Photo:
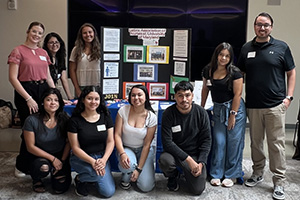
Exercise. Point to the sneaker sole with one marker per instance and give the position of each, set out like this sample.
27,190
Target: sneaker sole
278,198
174,190
19,174
253,184
78,194
125,187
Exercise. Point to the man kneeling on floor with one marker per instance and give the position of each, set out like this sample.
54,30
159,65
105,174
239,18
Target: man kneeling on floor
186,140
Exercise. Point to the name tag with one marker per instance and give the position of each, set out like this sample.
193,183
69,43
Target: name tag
43,58
251,54
101,127
176,128
208,83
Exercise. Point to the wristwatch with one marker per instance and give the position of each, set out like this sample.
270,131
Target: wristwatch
289,98
233,112
138,169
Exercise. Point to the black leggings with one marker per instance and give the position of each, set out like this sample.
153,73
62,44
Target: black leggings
60,181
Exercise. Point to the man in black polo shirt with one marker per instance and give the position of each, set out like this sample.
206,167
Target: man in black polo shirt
266,61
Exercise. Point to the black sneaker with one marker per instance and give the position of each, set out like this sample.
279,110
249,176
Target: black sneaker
80,187
173,184
125,186
254,180
278,192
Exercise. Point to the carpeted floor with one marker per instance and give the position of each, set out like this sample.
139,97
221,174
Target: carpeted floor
20,188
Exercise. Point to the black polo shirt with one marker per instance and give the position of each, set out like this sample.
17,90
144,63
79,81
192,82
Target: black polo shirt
265,65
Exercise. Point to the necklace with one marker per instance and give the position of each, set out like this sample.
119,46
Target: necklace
47,120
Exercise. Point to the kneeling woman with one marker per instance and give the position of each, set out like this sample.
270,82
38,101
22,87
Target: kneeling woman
46,140
91,137
134,131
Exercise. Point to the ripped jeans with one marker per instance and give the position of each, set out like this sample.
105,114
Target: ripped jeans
41,167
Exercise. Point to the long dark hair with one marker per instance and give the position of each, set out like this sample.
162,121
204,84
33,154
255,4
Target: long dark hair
60,115
147,102
60,54
80,105
230,68
80,44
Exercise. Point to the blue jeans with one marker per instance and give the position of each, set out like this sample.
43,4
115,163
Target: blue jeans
105,184
227,145
146,180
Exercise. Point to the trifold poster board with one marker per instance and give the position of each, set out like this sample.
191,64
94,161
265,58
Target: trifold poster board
155,57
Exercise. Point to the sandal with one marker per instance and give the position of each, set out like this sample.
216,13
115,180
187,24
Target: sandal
38,186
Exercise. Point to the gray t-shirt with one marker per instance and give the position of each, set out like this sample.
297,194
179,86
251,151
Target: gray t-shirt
46,139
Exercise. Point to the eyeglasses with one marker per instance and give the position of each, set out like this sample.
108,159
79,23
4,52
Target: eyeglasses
54,43
263,25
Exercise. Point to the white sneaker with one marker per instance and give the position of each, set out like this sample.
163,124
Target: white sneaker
278,192
215,182
19,174
227,182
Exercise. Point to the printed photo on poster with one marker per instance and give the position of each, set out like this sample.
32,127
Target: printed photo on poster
158,54
134,53
158,91
127,87
145,72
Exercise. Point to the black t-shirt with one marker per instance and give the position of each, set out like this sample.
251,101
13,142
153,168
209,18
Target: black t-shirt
92,136
221,90
56,71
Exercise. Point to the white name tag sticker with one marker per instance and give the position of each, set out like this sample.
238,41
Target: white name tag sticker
208,83
43,58
101,127
176,128
251,54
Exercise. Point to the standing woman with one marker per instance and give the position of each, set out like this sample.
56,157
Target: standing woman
134,131
46,140
85,59
29,75
56,49
91,137
225,82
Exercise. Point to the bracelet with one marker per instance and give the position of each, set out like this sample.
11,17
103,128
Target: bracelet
30,97
122,153
53,159
138,169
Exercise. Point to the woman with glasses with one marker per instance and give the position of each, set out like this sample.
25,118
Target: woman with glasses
55,47
85,59
29,75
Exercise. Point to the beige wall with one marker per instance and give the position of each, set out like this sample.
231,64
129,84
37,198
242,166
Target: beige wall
53,14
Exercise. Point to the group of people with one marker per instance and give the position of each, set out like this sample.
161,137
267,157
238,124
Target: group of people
265,63
49,135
